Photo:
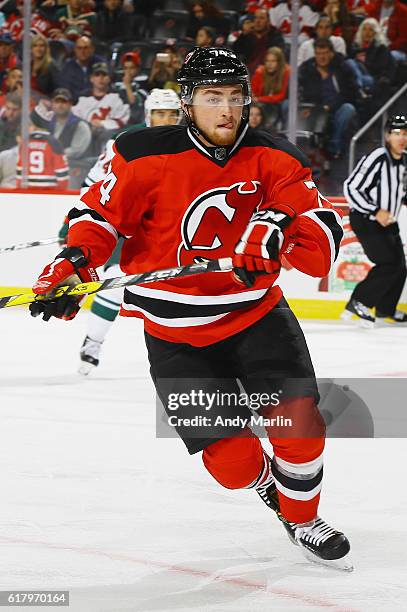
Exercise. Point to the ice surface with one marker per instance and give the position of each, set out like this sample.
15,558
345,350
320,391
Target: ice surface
92,502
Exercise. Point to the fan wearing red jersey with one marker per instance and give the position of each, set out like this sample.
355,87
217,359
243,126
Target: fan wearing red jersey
213,189
47,165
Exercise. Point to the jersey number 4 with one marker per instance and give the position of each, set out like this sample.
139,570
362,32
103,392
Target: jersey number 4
107,186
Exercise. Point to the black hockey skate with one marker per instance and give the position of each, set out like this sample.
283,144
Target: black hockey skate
354,308
398,318
319,542
89,355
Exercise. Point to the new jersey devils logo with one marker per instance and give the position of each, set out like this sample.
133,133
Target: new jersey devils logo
215,220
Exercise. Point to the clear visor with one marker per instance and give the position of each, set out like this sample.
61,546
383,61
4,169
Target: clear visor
216,97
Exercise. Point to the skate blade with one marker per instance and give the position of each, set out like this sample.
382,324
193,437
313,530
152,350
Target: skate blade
353,318
343,565
85,368
347,316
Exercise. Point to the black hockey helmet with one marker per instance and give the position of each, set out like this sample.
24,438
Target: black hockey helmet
396,122
212,66
204,66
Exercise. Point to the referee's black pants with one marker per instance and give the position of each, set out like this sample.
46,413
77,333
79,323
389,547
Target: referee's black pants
384,283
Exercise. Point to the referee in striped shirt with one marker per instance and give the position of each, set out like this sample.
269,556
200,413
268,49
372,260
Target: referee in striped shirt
375,192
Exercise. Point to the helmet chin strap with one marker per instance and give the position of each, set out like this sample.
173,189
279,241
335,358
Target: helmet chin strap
199,132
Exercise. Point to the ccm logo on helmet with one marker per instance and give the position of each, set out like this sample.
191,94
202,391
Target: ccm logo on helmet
224,70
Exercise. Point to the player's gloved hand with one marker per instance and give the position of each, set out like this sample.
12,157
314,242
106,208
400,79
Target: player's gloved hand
258,250
70,267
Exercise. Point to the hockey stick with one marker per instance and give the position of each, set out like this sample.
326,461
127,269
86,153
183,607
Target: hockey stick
215,265
27,245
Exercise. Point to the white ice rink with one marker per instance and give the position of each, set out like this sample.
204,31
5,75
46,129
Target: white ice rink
92,502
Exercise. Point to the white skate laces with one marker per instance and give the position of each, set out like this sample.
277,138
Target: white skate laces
315,532
322,544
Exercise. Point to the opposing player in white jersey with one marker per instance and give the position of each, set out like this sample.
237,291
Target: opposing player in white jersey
162,107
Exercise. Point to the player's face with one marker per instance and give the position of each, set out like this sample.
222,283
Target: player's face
216,112
397,142
164,116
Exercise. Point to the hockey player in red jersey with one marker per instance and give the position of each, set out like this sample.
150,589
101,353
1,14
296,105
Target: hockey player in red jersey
215,189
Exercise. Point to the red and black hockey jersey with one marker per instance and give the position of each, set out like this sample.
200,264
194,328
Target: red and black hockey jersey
47,164
175,200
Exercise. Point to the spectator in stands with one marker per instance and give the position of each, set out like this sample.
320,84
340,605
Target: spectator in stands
327,82
8,58
13,83
164,71
342,22
47,164
256,117
205,37
104,110
10,121
205,13
75,73
359,8
270,83
323,30
113,23
130,87
245,27
280,18
252,46
8,168
253,5
392,16
43,21
73,133
44,71
371,60
76,19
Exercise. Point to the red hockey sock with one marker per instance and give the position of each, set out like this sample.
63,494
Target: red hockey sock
297,462
234,462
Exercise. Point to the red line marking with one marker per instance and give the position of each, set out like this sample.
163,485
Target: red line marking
241,582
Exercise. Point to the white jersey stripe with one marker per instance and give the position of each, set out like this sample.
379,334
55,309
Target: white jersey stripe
198,300
176,322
